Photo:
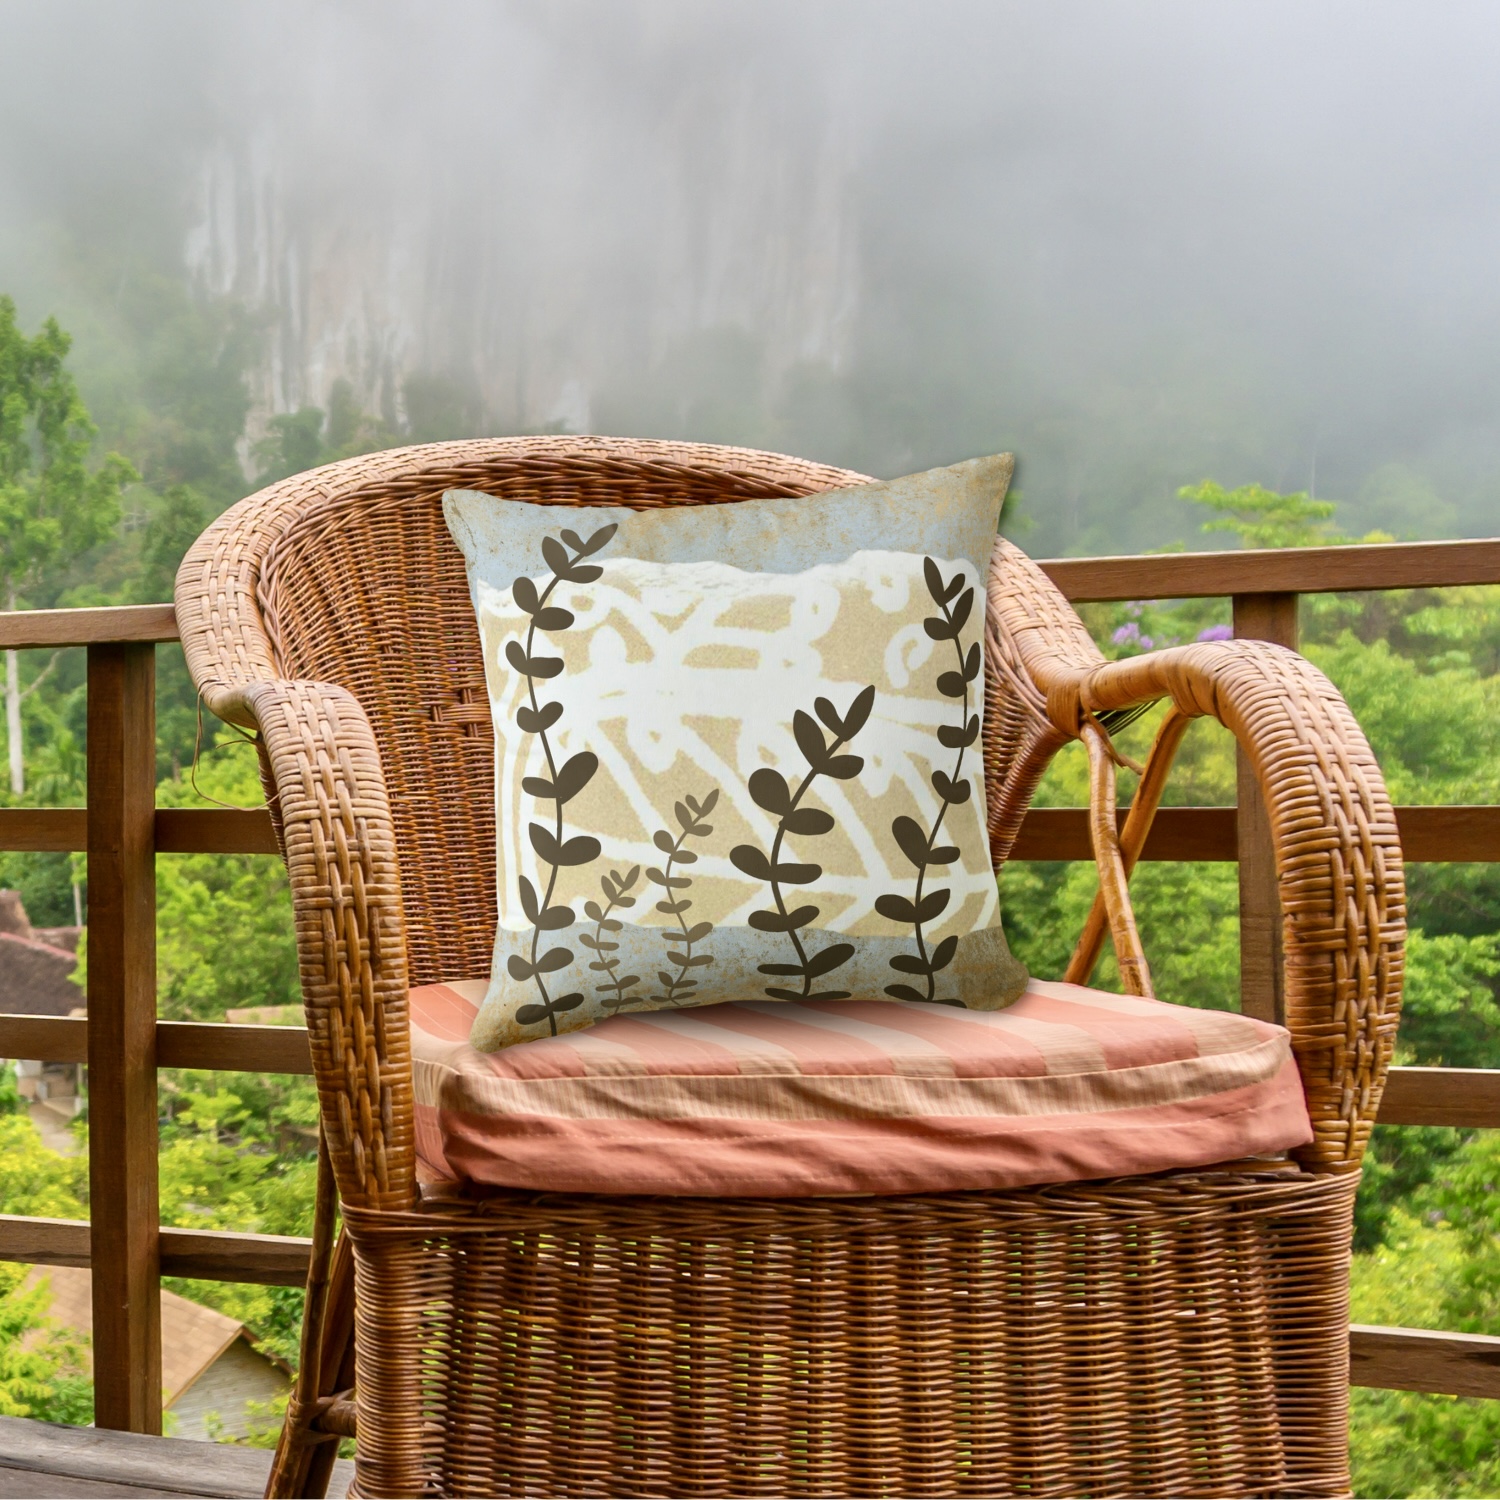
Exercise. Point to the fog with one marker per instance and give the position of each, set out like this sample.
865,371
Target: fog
1141,244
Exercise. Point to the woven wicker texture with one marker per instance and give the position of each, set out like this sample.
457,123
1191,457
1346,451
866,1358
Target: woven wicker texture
1133,1340
1163,1336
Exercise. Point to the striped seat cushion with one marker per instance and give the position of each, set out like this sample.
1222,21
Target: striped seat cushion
796,1100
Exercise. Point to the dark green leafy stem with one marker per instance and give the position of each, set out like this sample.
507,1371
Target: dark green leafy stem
562,782
691,815
955,603
615,887
770,791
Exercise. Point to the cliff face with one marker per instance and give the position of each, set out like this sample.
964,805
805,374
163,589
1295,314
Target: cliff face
544,243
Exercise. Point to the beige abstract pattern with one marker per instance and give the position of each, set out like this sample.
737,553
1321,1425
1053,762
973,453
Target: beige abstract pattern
685,678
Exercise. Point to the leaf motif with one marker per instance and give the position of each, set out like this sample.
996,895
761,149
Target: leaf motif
933,577
949,789
972,662
552,960
697,932
690,960
780,994
591,909
748,859
810,739
938,628
942,955
942,854
538,786
663,841
673,908
686,857
843,767
830,717
540,667
529,1015
518,967
556,556
768,789
599,539
932,905
627,981
573,540
859,712
624,900
826,960
672,882
789,873
807,821
529,903
824,995
910,840
959,739
554,918
568,1002
630,879
904,992
896,909
536,720
668,980
609,924
709,803
952,684
961,611
583,573
779,969
523,591
575,774
553,617
685,816
576,851
910,963
773,921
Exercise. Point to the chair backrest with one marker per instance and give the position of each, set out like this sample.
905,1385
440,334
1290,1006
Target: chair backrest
358,583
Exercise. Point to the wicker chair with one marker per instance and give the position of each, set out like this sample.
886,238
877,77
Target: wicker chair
1178,1334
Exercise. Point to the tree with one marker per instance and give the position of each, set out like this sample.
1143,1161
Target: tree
1264,518
52,508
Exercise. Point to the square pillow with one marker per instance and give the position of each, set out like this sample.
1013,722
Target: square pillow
738,750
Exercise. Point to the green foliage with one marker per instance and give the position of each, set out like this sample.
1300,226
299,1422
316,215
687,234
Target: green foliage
1263,518
53,508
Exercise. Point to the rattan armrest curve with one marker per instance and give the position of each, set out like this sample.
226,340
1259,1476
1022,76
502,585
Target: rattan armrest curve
1338,851
333,820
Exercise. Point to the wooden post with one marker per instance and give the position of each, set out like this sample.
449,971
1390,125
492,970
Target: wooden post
123,1208
1260,617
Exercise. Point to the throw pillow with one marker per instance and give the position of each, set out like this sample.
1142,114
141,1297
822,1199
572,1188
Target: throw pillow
737,750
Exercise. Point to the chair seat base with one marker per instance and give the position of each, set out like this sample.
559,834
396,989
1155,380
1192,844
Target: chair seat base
1180,1334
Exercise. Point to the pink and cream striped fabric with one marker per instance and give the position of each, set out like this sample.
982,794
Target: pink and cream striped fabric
788,1100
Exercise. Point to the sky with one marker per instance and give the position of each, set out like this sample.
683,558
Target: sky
1139,243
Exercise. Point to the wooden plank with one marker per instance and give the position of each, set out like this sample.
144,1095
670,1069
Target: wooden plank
122,1036
224,1255
1260,617
214,830
45,1038
208,1254
1178,834
44,1242
1412,1359
49,830
179,1044
41,629
1291,570
139,1464
179,830
1468,1098
232,1049
1440,835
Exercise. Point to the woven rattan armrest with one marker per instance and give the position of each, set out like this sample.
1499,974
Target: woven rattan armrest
333,821
1338,853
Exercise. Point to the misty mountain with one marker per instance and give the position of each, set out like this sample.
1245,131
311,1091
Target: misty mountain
1138,244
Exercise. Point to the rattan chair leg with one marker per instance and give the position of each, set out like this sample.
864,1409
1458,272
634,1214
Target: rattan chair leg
305,1455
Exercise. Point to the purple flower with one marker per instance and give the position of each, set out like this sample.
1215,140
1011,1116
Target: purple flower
1128,635
1217,633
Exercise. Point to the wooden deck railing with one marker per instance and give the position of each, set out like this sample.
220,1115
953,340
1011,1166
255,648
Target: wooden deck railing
124,1044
